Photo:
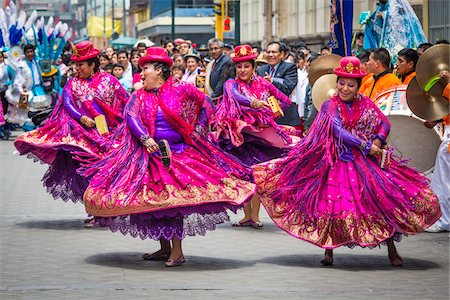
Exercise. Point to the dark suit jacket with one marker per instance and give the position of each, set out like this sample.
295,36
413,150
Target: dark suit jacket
219,76
288,79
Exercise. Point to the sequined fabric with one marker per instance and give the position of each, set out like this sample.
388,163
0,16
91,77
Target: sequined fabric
131,191
62,137
250,134
315,195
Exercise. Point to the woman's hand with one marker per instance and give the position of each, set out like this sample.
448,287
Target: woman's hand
374,150
259,103
151,145
263,104
86,121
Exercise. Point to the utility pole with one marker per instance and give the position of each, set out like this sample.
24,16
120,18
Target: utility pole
172,31
104,24
124,31
237,22
112,16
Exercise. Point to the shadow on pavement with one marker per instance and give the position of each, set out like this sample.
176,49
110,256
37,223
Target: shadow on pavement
133,260
64,224
269,227
350,262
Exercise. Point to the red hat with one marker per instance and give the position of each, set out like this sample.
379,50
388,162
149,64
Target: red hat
83,51
156,54
349,68
243,53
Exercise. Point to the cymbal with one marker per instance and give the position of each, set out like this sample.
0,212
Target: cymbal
323,90
429,106
323,65
431,62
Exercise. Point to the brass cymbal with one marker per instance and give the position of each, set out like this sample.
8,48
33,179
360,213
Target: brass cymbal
430,106
323,65
431,62
323,90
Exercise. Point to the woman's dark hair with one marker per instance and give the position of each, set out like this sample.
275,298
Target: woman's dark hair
136,69
164,68
299,54
229,70
178,67
234,66
358,81
134,52
95,61
104,56
167,42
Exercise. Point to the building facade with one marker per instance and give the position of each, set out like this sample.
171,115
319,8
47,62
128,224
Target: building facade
194,20
309,20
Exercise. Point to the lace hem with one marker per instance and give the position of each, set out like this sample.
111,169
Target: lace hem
148,226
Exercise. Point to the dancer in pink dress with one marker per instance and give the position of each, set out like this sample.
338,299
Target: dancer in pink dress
142,189
330,189
244,124
70,130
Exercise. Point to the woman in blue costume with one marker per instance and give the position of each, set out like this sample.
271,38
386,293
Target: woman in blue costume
394,26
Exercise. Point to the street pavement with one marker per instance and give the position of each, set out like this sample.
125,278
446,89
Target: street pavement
46,253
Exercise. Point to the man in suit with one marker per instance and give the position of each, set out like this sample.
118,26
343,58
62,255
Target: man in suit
283,75
217,70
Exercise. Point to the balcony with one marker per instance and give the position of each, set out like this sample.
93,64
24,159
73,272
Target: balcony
137,5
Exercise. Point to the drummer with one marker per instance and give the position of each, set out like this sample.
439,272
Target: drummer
379,64
406,64
439,182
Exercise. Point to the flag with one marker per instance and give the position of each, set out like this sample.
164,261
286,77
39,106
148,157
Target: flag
341,27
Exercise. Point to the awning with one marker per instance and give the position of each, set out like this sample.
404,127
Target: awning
147,42
124,41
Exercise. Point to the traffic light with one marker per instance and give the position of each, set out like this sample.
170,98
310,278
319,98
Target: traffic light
227,25
218,9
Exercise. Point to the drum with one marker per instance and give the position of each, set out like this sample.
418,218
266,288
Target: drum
40,102
393,98
409,137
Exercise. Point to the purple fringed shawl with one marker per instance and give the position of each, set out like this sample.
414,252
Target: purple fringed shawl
62,136
321,194
180,104
231,117
320,149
